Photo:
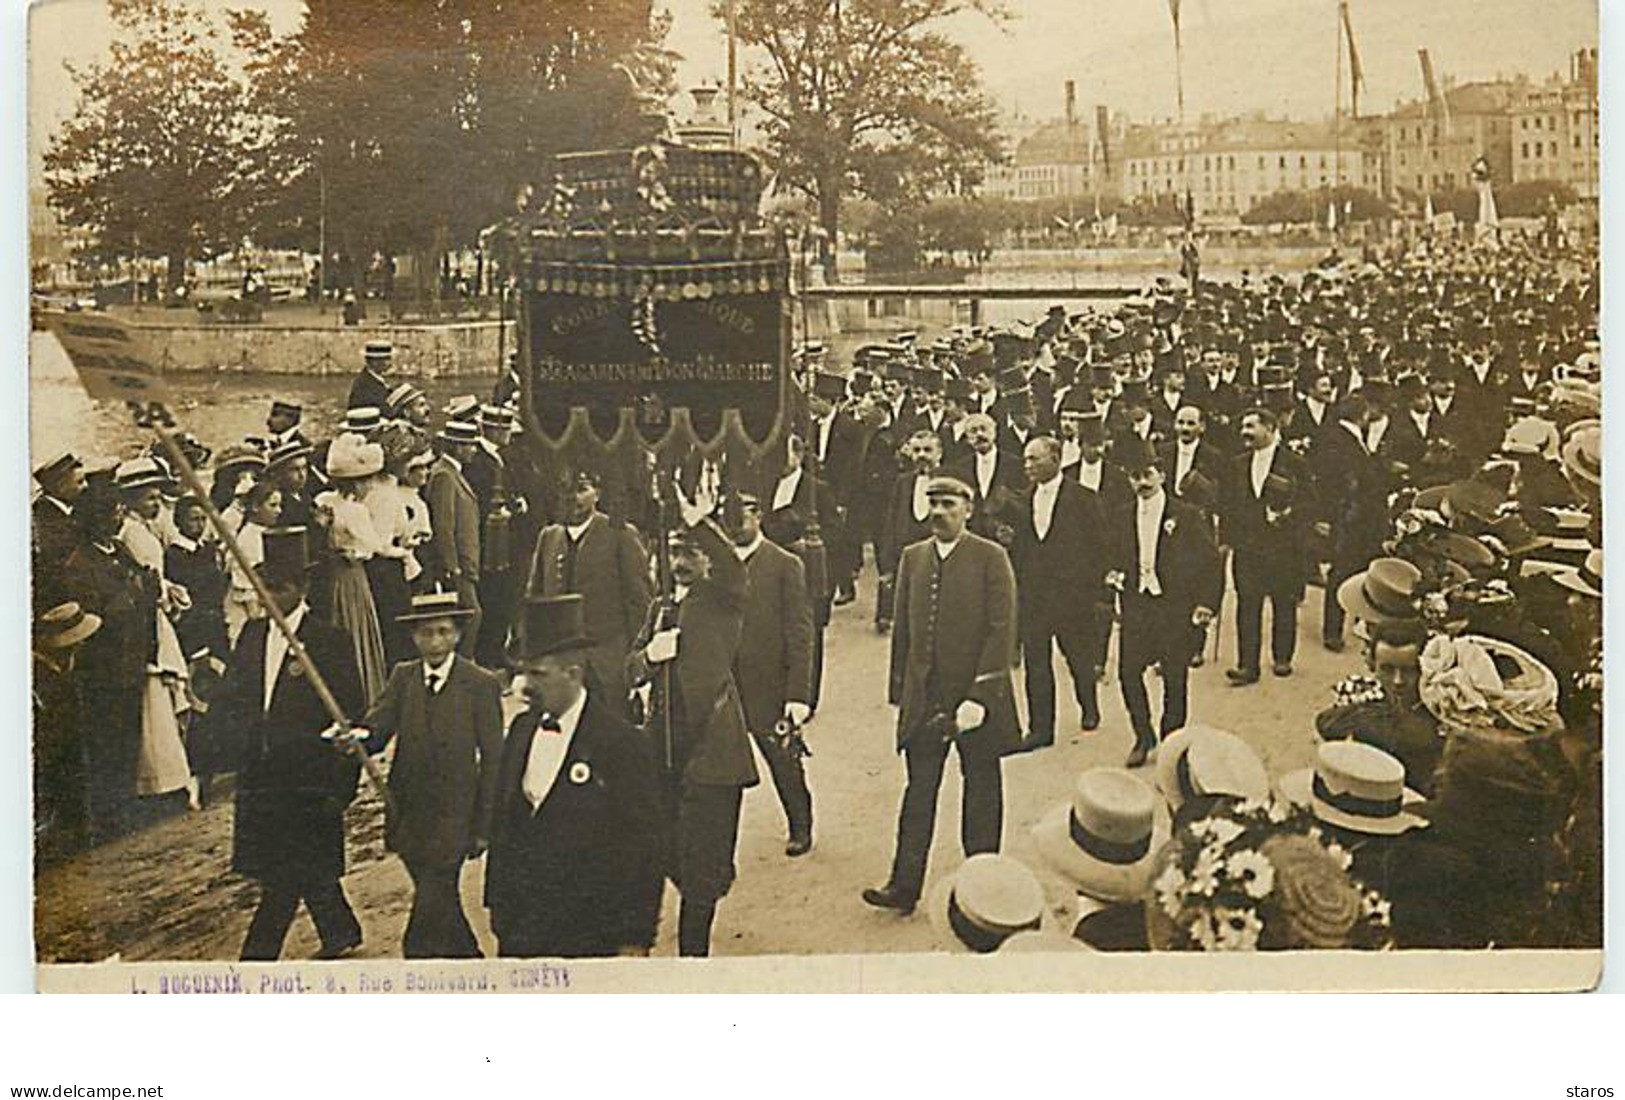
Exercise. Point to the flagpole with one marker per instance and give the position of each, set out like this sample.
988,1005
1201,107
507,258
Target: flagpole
1337,99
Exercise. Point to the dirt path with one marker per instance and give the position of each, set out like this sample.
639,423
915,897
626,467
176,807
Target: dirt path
168,893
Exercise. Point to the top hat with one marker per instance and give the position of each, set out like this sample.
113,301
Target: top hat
286,556
556,624
989,899
958,389
1358,787
828,385
1134,454
65,625
434,605
1202,762
1384,592
1105,840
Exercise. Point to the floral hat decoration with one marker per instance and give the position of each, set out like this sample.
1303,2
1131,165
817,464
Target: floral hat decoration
1257,876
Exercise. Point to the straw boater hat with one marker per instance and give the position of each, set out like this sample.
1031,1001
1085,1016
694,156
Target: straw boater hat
1582,456
141,473
459,431
1358,787
495,416
65,625
285,453
1045,941
989,899
1202,762
1105,840
1385,592
402,396
379,354
1586,579
434,605
56,468
462,407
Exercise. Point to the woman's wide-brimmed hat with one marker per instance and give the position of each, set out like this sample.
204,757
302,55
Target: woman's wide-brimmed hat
1358,787
1485,687
1203,762
1105,840
351,456
989,899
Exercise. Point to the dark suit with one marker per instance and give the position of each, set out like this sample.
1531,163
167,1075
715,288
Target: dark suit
1207,462
293,788
444,781
707,759
55,537
1058,584
609,568
812,501
368,391
1158,629
578,875
452,556
1221,404
840,463
1266,531
1000,506
201,572
954,640
774,667
487,474
1351,495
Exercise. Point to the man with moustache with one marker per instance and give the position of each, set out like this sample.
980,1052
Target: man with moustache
993,476
604,562
908,516
1169,578
1059,555
952,653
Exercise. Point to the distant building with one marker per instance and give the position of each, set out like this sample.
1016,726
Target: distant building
1555,131
1229,166
1433,146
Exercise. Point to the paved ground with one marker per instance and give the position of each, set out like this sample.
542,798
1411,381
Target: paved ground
167,893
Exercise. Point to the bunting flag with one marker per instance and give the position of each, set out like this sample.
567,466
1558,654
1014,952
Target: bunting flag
1179,57
1356,72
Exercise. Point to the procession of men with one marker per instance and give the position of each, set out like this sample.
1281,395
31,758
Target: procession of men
584,697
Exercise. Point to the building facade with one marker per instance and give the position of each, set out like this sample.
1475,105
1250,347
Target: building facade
1432,146
1555,131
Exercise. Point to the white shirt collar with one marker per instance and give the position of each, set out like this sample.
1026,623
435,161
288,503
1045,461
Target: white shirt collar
178,539
442,671
1152,503
1184,447
744,552
572,715
576,530
1050,487
943,549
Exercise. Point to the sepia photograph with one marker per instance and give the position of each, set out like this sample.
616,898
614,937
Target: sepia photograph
930,495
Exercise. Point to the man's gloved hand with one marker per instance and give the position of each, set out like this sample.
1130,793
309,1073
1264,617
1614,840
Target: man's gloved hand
970,715
797,714
662,647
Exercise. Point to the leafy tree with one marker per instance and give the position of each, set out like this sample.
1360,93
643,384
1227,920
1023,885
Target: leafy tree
1353,204
867,97
151,162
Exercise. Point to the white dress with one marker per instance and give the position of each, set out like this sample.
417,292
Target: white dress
163,766
242,604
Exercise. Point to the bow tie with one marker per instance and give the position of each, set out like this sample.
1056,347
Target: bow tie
548,723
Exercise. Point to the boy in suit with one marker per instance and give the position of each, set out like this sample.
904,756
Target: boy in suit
446,715
574,865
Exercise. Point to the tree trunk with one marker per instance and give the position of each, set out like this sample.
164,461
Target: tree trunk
829,219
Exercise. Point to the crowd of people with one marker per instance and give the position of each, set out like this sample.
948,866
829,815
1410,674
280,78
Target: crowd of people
1417,435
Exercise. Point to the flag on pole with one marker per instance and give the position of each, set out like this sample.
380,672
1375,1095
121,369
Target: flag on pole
1179,58
115,361
1331,216
1427,211
1356,72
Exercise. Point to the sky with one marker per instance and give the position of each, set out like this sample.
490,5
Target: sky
1240,55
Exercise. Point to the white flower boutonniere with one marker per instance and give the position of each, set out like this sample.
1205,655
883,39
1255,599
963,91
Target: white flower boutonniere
1168,526
580,772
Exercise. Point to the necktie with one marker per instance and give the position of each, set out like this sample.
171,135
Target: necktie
437,680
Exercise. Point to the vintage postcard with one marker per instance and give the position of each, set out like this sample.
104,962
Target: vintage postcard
942,495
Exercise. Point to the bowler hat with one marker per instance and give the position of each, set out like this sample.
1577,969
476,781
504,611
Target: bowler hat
547,626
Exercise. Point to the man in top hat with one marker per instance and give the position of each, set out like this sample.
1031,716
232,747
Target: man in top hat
283,422
836,444
604,562
1169,578
61,765
1351,498
295,783
61,481
371,386
445,715
795,503
1192,468
500,504
696,714
774,664
452,557
1058,551
574,865
1264,512
952,653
